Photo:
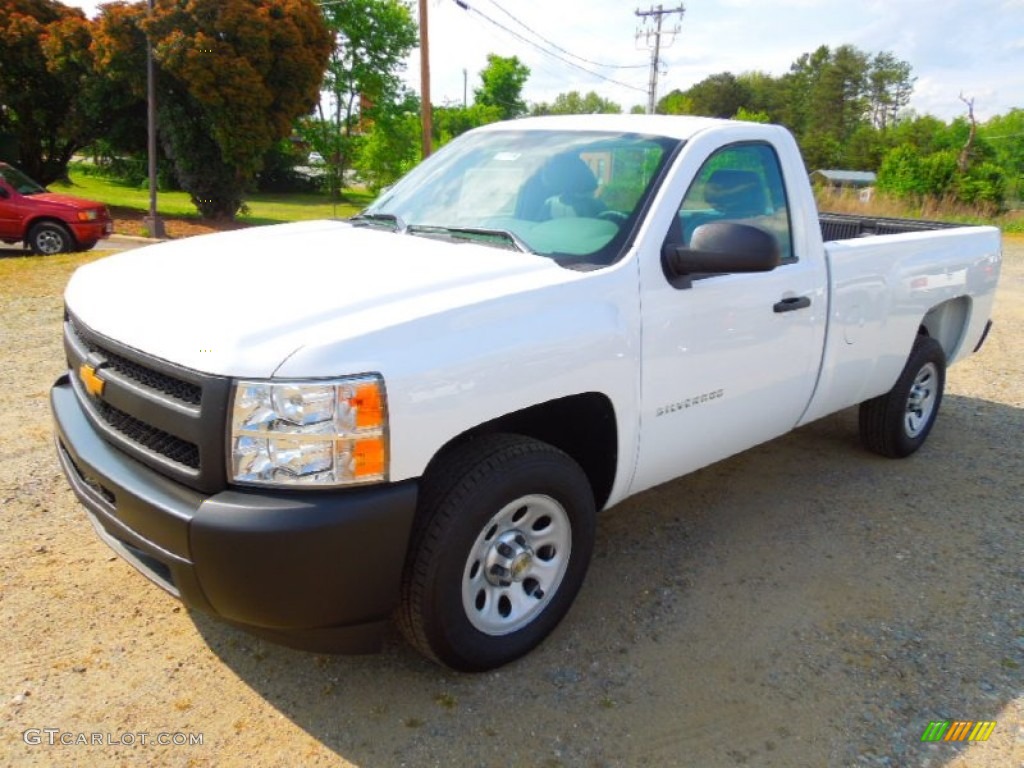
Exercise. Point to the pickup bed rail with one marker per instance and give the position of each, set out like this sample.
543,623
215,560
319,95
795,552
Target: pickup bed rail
842,226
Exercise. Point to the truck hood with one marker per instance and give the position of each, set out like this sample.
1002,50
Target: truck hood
240,303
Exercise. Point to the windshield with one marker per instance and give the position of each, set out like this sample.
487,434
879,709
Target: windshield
19,180
573,196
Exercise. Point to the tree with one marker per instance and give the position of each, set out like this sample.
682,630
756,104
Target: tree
45,72
865,149
837,99
674,102
116,101
890,85
502,82
924,133
723,95
719,95
832,99
449,122
796,109
371,40
906,172
763,93
749,116
901,173
391,147
1005,134
963,160
234,75
572,103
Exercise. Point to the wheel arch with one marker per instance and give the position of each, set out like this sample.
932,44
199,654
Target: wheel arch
48,219
947,323
583,426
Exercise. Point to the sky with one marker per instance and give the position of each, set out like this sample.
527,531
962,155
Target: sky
969,47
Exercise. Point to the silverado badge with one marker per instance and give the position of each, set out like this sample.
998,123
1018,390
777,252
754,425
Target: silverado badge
93,383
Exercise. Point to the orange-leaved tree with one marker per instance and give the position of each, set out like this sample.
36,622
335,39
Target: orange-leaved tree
232,77
45,73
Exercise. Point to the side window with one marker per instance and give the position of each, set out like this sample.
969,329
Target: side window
743,183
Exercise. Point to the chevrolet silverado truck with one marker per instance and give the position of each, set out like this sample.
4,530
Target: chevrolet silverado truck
313,428
47,222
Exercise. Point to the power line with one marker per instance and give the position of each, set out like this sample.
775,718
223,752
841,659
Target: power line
557,47
466,7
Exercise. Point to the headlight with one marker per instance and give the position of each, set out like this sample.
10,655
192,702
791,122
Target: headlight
90,215
309,433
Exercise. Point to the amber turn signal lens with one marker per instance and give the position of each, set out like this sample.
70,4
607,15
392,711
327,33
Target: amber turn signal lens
368,406
369,457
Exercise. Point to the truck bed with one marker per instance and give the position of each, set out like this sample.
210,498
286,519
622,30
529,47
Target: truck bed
841,226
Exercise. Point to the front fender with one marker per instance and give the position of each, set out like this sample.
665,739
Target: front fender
456,369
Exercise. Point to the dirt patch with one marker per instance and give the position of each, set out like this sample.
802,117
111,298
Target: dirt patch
802,604
128,221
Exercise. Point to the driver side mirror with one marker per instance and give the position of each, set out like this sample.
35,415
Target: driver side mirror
720,247
3,192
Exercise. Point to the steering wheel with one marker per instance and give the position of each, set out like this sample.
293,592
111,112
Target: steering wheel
616,217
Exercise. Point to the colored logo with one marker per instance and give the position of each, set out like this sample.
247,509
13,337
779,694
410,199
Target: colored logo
958,730
93,383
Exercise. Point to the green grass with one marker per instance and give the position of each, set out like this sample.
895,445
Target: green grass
262,208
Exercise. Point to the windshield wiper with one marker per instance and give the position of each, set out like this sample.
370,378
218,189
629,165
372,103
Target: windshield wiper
372,219
500,237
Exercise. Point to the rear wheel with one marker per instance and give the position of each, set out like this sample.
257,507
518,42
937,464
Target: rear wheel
48,237
503,540
897,423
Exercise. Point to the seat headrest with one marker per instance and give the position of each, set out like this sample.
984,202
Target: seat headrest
736,193
569,175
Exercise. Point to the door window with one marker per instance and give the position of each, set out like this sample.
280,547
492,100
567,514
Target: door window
741,183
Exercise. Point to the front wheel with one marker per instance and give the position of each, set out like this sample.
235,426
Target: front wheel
897,423
503,540
48,237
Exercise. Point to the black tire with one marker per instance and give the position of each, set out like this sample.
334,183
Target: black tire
49,237
897,423
504,534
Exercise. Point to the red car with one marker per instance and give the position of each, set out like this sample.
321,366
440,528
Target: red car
45,221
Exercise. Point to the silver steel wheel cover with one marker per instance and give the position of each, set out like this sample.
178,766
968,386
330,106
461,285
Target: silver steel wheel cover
921,400
49,241
516,564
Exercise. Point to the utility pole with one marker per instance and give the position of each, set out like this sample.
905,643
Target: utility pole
425,115
655,16
154,224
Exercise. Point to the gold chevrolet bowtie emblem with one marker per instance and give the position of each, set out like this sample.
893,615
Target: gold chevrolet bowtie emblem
93,383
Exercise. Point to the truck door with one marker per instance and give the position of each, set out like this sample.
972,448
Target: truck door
731,360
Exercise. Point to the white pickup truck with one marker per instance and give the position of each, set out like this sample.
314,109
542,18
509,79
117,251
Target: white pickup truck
308,429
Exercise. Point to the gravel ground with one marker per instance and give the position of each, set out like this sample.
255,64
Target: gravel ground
803,604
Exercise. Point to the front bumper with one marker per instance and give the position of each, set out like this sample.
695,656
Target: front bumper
318,570
91,231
